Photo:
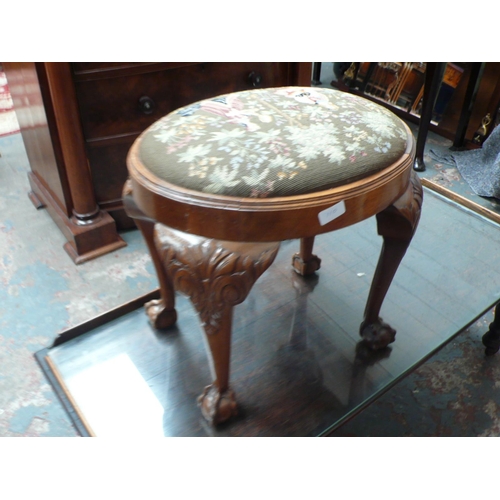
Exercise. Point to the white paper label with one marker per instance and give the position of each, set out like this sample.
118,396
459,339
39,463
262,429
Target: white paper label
331,213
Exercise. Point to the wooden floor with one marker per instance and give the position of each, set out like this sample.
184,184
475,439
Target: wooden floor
297,368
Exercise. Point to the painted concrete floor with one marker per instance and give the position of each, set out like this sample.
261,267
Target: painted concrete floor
42,293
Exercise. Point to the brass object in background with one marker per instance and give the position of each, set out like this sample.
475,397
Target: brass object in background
482,131
351,73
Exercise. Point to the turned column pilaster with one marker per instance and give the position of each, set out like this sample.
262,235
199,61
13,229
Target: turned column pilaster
72,143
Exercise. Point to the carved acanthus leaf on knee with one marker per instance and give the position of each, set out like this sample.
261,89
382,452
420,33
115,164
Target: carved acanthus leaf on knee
410,204
213,277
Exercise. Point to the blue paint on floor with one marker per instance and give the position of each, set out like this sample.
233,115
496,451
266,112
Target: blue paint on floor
23,418
29,303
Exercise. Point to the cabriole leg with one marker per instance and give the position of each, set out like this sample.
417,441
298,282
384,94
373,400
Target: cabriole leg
216,276
161,312
397,225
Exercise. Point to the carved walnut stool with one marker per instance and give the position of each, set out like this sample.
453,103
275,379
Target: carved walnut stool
215,186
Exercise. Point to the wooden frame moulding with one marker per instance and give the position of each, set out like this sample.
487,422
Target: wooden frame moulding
52,373
461,200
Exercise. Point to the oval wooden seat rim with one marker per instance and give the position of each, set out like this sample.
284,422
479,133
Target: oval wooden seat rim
266,219
141,174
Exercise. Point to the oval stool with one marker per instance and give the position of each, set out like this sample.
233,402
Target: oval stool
216,186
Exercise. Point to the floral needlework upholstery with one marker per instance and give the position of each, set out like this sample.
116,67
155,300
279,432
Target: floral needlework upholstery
273,142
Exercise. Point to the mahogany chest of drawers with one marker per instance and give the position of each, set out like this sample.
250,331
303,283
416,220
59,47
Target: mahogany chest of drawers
78,121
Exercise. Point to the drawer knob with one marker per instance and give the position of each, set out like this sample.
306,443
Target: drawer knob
146,105
255,79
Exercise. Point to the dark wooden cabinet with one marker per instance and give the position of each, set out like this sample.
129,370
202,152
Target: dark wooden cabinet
78,121
399,86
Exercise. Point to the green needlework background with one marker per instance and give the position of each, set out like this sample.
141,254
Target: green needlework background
273,142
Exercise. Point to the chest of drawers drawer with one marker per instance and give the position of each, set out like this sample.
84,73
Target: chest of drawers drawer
126,104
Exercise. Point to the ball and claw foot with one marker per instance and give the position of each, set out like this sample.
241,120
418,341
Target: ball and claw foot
377,335
491,340
305,268
160,317
217,407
